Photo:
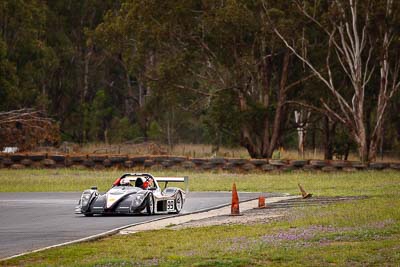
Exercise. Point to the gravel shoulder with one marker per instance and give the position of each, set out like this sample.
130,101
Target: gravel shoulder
212,217
277,207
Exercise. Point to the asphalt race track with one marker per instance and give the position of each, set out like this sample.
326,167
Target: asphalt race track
30,221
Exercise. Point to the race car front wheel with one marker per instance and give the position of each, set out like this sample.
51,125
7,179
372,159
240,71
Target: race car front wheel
150,205
178,202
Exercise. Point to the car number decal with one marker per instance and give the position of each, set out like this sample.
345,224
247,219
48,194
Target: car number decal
170,205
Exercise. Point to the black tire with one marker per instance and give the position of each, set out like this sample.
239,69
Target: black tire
88,214
150,204
178,203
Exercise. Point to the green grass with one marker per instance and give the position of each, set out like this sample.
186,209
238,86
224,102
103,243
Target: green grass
327,184
361,232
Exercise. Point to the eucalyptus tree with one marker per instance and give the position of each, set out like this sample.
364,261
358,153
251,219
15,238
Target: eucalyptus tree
200,51
362,39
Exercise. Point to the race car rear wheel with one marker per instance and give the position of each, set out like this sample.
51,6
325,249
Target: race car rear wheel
150,205
178,202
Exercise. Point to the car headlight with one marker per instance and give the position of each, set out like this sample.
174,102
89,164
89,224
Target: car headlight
139,199
85,199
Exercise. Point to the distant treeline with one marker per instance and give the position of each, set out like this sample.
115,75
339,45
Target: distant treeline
256,73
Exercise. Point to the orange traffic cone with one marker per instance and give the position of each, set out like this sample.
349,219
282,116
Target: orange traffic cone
261,202
304,194
235,201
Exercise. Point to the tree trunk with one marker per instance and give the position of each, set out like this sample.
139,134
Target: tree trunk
276,127
347,151
86,64
106,136
376,140
363,146
248,143
302,124
248,140
329,130
266,83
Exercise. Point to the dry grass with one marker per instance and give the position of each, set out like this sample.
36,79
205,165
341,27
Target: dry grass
150,148
195,151
206,151
200,150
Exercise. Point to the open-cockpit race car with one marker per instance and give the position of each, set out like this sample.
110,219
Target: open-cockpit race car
134,193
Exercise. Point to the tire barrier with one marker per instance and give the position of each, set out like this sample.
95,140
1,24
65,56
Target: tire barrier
162,162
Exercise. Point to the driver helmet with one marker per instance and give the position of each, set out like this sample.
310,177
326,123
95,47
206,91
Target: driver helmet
125,182
142,183
145,185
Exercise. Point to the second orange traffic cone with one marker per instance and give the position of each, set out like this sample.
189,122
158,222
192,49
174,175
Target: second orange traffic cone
235,201
261,202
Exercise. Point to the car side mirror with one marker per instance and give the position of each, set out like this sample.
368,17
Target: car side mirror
152,188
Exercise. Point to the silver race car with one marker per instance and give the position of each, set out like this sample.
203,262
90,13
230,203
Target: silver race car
134,193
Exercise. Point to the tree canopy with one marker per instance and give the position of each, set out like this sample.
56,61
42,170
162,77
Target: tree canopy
228,72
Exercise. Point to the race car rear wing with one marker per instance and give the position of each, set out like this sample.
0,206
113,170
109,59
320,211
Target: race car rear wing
166,180
184,179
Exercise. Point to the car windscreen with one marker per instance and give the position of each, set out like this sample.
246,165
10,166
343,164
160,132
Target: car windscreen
119,190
